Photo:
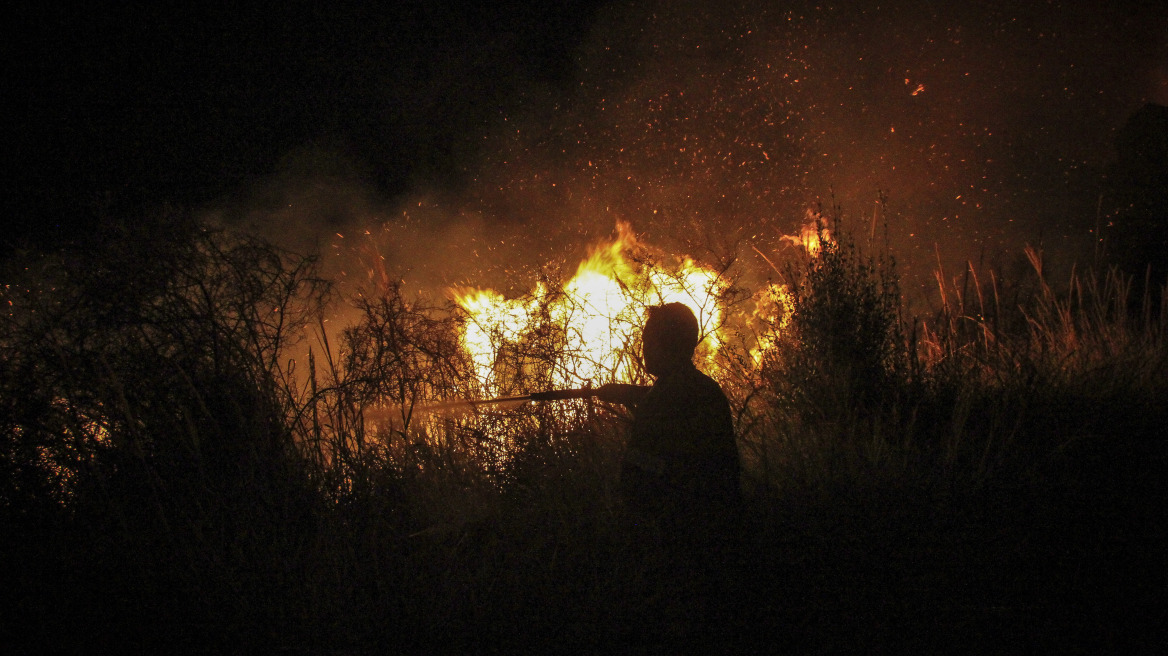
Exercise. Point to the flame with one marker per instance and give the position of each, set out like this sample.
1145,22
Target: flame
772,314
587,331
494,322
773,304
809,235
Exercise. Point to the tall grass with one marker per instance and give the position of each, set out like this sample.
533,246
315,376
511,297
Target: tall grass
169,471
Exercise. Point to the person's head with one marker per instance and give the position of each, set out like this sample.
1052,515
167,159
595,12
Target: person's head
669,338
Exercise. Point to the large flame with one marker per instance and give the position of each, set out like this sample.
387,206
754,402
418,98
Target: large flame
586,332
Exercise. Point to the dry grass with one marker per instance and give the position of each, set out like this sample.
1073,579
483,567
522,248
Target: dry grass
167,477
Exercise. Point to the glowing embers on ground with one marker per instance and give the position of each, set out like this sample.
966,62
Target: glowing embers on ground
586,331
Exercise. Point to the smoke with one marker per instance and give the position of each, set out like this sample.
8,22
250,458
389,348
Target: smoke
714,126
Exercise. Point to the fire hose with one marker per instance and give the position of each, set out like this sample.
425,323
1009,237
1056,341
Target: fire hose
550,395
627,394
621,393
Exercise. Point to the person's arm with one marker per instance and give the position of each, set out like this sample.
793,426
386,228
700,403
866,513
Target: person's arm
623,393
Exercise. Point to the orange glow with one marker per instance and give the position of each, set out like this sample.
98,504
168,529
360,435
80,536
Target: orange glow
771,315
588,331
809,234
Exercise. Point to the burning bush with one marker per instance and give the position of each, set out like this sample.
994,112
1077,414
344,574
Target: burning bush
587,330
841,343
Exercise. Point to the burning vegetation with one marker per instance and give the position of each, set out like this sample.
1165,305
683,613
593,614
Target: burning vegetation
586,331
150,398
211,442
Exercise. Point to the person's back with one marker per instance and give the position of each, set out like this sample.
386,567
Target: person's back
679,480
681,462
681,456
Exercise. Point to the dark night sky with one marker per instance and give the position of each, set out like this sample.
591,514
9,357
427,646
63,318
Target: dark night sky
164,104
986,125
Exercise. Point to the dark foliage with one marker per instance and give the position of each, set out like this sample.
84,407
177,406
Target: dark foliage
1135,199
841,344
991,480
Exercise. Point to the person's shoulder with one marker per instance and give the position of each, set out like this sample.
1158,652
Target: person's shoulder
701,383
700,377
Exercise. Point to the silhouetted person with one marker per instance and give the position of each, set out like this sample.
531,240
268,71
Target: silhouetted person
679,480
681,463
